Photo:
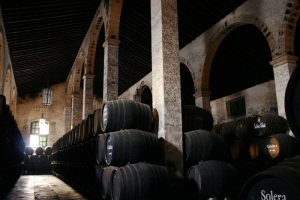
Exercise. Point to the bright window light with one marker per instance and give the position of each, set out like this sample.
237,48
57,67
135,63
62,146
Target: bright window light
34,141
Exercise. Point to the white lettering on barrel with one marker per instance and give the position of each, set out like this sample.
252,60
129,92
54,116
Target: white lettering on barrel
260,125
272,146
271,196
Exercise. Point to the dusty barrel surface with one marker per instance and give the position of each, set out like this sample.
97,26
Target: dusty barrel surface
96,122
269,124
281,146
227,131
105,175
39,150
194,118
125,114
281,181
210,179
203,145
100,148
131,146
244,128
291,102
29,150
139,181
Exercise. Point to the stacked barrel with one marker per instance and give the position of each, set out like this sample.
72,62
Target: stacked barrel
254,144
110,155
38,161
11,148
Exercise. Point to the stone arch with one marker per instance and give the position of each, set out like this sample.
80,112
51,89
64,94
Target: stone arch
223,30
77,73
142,87
8,86
2,66
287,29
13,103
93,40
69,90
193,75
113,10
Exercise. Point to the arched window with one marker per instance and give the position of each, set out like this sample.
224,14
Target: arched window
38,134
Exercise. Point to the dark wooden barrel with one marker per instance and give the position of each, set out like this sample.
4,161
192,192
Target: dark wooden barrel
43,158
77,133
216,128
131,146
244,128
47,167
125,114
282,181
29,150
194,118
256,149
203,145
269,124
105,181
48,150
210,179
39,151
227,131
292,99
240,149
281,146
38,168
140,181
3,115
33,158
97,118
26,158
82,130
100,148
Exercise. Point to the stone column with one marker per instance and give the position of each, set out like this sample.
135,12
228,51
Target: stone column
283,67
111,62
67,119
166,88
88,83
75,116
202,100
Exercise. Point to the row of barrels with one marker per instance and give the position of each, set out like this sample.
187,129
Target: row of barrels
38,151
11,149
260,126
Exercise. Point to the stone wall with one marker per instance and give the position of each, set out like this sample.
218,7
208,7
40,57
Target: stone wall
31,109
259,99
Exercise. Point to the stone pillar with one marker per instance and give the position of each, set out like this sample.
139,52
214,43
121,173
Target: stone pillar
111,62
67,119
88,83
166,88
75,116
202,100
283,67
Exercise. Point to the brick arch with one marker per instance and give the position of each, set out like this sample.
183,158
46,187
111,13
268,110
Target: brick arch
93,39
193,75
77,73
2,66
142,87
8,85
216,39
112,11
287,29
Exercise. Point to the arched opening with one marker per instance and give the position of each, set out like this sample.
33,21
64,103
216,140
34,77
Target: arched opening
187,86
7,87
241,77
146,96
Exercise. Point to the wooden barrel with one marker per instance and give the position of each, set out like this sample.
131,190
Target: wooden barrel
105,181
48,150
194,118
210,179
100,148
29,150
82,130
269,124
43,158
240,149
97,117
227,131
244,128
292,99
3,115
131,146
203,145
256,149
38,168
281,146
139,181
47,167
39,151
282,181
125,114
33,158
